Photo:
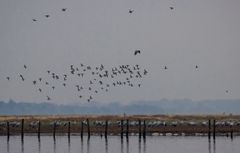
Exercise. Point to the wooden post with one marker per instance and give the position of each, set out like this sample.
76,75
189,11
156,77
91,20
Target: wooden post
209,129
22,128
106,128
144,129
139,130
39,129
69,128
54,129
214,129
88,128
127,130
81,129
231,133
121,128
8,130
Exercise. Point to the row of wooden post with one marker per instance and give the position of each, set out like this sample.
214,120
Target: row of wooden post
141,131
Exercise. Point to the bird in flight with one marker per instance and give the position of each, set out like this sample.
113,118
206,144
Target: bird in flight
130,11
137,52
48,98
47,15
34,20
165,68
64,9
196,67
171,8
21,77
25,67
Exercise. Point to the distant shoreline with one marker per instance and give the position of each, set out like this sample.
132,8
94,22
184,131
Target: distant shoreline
121,124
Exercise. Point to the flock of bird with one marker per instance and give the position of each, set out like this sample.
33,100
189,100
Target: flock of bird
92,80
86,81
48,15
100,79
130,11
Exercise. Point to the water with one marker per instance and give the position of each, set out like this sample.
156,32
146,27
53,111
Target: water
114,144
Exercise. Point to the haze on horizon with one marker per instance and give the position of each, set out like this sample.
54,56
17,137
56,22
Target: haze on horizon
203,33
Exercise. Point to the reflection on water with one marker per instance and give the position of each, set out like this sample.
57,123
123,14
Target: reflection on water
116,144
39,145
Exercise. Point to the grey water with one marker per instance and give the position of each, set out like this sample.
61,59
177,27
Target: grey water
114,144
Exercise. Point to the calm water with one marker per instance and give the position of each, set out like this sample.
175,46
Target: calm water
114,144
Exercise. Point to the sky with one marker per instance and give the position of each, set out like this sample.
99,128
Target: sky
196,32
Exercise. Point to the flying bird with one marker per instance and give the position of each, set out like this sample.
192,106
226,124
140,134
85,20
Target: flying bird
25,67
8,78
47,15
21,77
34,82
137,52
130,11
34,20
171,8
64,9
48,98
165,68
196,67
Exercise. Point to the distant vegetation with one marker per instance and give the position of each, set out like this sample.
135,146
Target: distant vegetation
142,107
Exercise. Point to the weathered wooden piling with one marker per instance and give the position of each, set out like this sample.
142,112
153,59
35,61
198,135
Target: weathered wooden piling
22,128
144,129
81,129
209,129
127,130
214,129
39,129
139,130
54,129
88,128
121,128
8,130
69,129
231,132
106,128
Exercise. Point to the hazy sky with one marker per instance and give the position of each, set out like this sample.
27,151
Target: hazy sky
196,32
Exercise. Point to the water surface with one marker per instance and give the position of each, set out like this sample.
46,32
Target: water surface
114,144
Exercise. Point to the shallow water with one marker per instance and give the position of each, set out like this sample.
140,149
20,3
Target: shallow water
114,144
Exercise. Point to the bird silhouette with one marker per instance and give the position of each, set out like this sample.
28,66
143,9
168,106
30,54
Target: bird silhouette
137,52
34,82
48,98
171,8
196,67
130,11
25,67
47,15
34,20
165,68
8,78
64,9
22,77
